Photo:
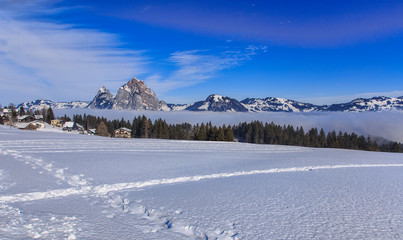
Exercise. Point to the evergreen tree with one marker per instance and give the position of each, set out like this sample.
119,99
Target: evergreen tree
202,133
21,111
395,147
322,138
220,135
229,134
49,115
144,127
13,114
102,130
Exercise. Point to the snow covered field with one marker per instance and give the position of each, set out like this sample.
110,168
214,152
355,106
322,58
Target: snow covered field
58,185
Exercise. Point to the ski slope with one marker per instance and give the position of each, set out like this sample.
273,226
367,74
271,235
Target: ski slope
70,186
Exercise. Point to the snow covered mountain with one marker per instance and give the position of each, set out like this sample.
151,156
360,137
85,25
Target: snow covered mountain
217,103
42,103
135,95
366,105
103,100
272,104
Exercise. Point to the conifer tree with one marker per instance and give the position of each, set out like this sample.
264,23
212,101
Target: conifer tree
144,127
21,111
220,136
50,116
102,130
322,138
202,134
229,134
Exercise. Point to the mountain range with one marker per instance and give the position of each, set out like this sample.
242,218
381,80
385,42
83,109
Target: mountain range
135,95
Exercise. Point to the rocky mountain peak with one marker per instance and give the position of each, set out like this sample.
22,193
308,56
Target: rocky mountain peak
103,100
135,95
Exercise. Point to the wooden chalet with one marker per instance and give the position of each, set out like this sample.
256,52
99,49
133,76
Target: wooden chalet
27,126
25,118
123,133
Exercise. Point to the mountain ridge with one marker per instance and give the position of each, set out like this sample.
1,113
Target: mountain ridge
135,95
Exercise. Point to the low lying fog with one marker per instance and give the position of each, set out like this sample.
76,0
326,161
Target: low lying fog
388,125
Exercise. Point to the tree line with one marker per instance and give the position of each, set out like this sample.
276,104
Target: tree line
253,132
143,127
270,133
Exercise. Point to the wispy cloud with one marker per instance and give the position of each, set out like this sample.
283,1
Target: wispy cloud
197,66
57,61
62,62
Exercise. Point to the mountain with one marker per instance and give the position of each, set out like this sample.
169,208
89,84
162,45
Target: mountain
217,103
366,105
135,95
42,103
272,104
103,100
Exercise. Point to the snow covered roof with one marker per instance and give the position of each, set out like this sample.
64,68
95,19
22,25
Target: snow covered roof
38,116
24,125
22,117
124,129
68,124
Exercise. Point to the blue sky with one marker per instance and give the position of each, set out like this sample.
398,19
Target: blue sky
313,51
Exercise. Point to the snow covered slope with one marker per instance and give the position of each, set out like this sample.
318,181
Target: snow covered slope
103,100
70,186
135,95
271,104
217,103
42,103
367,105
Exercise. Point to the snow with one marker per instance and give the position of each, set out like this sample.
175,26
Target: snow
71,186
205,106
68,125
103,89
217,98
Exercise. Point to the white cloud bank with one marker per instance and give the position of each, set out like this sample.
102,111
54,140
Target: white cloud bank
58,61
381,124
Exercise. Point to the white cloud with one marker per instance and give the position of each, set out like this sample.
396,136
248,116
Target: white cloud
197,66
50,60
64,62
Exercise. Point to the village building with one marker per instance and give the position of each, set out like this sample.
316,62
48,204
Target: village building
91,131
7,116
38,124
25,118
27,126
123,133
7,112
72,126
38,117
57,123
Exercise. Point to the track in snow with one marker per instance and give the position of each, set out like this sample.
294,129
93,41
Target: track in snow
106,188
